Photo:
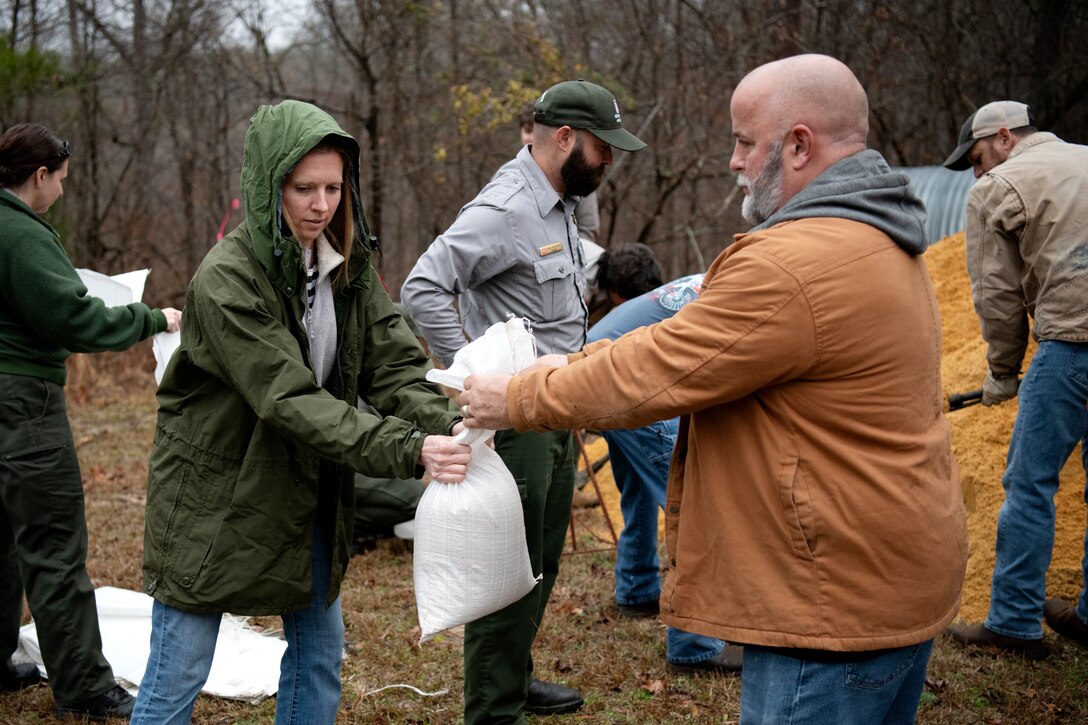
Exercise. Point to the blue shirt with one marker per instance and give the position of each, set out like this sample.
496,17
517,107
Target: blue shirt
654,306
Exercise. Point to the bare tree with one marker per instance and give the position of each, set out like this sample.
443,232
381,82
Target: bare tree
156,96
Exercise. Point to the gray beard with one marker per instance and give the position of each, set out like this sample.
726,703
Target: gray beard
765,191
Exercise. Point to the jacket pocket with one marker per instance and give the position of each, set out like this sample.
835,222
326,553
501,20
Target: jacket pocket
1061,313
31,422
797,507
200,502
556,288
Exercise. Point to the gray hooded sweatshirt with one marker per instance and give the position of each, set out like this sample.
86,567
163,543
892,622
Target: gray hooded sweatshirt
862,188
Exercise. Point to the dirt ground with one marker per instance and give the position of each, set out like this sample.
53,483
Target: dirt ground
980,439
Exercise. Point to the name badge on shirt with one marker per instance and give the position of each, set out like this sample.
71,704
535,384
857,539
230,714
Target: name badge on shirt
551,249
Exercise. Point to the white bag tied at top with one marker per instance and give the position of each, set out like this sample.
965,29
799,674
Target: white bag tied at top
470,556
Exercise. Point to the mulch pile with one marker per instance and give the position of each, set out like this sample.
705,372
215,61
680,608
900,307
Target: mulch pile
980,441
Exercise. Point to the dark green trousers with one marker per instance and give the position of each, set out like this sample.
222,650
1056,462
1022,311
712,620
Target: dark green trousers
498,663
43,540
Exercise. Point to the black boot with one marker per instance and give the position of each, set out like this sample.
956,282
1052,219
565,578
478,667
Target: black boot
550,698
1062,618
114,702
18,677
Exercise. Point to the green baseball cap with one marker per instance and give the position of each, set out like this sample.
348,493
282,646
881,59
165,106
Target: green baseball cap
581,104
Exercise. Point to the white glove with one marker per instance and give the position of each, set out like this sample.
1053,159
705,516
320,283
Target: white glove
998,390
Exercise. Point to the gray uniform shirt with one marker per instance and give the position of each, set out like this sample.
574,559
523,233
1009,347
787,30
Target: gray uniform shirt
587,213
513,250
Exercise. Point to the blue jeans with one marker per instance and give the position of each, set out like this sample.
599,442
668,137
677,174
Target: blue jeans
640,466
183,643
1050,421
777,688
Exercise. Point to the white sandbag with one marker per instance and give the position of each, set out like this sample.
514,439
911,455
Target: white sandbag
124,289
470,555
506,347
163,345
115,290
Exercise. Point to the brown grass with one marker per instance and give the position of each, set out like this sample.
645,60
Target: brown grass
618,664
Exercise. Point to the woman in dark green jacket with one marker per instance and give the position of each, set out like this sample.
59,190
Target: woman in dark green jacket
45,315
250,494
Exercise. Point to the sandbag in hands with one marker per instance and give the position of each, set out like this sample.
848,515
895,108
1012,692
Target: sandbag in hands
470,555
506,347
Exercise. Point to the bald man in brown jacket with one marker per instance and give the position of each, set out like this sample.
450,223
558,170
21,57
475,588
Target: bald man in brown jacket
813,512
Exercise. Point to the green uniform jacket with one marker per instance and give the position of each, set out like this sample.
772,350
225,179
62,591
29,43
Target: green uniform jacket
45,311
248,447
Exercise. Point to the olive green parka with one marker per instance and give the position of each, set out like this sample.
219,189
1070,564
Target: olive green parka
248,447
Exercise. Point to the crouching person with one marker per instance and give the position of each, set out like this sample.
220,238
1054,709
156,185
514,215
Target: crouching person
250,486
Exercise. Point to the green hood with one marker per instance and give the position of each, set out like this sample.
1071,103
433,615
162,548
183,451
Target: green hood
278,137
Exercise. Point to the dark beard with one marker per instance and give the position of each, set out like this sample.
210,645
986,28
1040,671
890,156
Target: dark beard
579,178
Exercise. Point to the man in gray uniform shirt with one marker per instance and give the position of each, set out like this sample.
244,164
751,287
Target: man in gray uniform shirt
514,250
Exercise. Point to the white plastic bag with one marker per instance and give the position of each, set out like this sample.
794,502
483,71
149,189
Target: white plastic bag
506,347
163,345
124,289
246,665
470,556
115,290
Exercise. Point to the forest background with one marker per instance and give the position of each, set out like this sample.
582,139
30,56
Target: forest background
155,97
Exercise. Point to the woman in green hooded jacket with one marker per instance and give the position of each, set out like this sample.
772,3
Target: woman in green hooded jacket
45,316
250,496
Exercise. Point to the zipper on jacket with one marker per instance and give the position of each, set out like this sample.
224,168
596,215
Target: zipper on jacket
341,327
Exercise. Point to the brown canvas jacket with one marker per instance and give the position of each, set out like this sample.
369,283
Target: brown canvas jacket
813,500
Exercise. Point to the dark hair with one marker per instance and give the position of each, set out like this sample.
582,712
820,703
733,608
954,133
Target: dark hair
25,148
629,270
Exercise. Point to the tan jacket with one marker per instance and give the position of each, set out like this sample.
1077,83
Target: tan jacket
1027,248
813,500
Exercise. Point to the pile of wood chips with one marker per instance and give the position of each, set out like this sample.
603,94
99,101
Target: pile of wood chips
980,441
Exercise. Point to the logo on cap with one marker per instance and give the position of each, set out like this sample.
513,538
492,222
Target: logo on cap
584,105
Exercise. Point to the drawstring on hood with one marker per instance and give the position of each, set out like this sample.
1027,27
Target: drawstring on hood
861,188
279,223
